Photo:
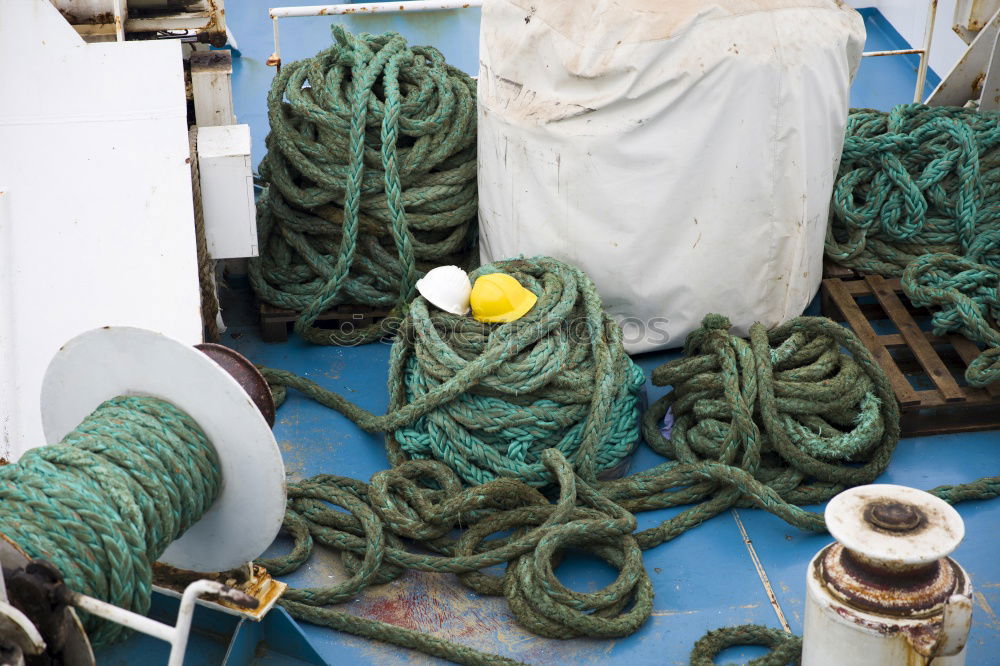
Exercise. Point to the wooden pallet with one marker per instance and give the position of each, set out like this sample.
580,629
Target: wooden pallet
276,322
832,270
940,402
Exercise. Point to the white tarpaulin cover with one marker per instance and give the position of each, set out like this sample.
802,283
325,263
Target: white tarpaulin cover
682,153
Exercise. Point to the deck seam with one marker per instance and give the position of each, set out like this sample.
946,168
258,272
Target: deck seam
772,597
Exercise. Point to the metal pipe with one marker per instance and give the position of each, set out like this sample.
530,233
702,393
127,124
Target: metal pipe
119,20
359,8
177,635
873,54
918,94
125,618
373,8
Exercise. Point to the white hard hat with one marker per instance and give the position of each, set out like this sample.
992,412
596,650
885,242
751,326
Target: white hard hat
448,288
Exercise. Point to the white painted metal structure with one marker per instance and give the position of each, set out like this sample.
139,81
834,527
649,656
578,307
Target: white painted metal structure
113,361
361,8
976,75
17,628
96,218
109,20
177,635
924,51
227,191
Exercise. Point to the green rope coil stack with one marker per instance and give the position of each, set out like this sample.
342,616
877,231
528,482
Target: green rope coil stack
914,181
105,503
488,400
783,419
371,171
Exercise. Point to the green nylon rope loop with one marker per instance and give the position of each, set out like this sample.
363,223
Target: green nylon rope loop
914,181
968,294
371,171
785,648
782,419
104,503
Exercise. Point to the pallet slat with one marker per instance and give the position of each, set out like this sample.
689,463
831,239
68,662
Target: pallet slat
848,308
908,328
946,406
274,322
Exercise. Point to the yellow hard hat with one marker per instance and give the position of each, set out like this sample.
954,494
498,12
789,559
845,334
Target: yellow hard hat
499,298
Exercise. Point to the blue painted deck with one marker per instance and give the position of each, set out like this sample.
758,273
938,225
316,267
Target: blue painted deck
704,579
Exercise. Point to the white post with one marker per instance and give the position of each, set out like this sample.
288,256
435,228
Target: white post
918,94
212,88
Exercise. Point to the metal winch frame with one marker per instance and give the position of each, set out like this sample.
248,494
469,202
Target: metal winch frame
229,399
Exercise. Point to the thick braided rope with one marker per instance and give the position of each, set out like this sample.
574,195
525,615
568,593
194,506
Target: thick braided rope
785,418
776,421
968,294
914,181
371,166
488,400
104,503
785,648
401,505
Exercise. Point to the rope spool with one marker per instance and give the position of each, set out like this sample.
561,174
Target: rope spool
190,478
914,181
105,503
371,166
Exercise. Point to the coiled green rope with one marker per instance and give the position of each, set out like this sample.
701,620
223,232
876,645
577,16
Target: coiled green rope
104,503
371,166
968,294
784,418
488,400
785,648
914,181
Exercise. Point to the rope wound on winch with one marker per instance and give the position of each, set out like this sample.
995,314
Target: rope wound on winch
371,171
488,399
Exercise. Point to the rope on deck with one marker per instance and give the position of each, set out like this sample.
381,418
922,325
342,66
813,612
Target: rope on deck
916,180
785,418
968,295
371,166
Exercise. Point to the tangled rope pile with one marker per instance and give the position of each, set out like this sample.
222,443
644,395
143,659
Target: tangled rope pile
488,400
399,506
105,503
371,166
783,419
968,294
914,181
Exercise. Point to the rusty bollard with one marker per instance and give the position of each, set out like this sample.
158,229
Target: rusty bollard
886,593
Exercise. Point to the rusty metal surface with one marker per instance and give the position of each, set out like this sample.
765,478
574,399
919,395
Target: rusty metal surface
244,372
253,580
212,61
917,592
